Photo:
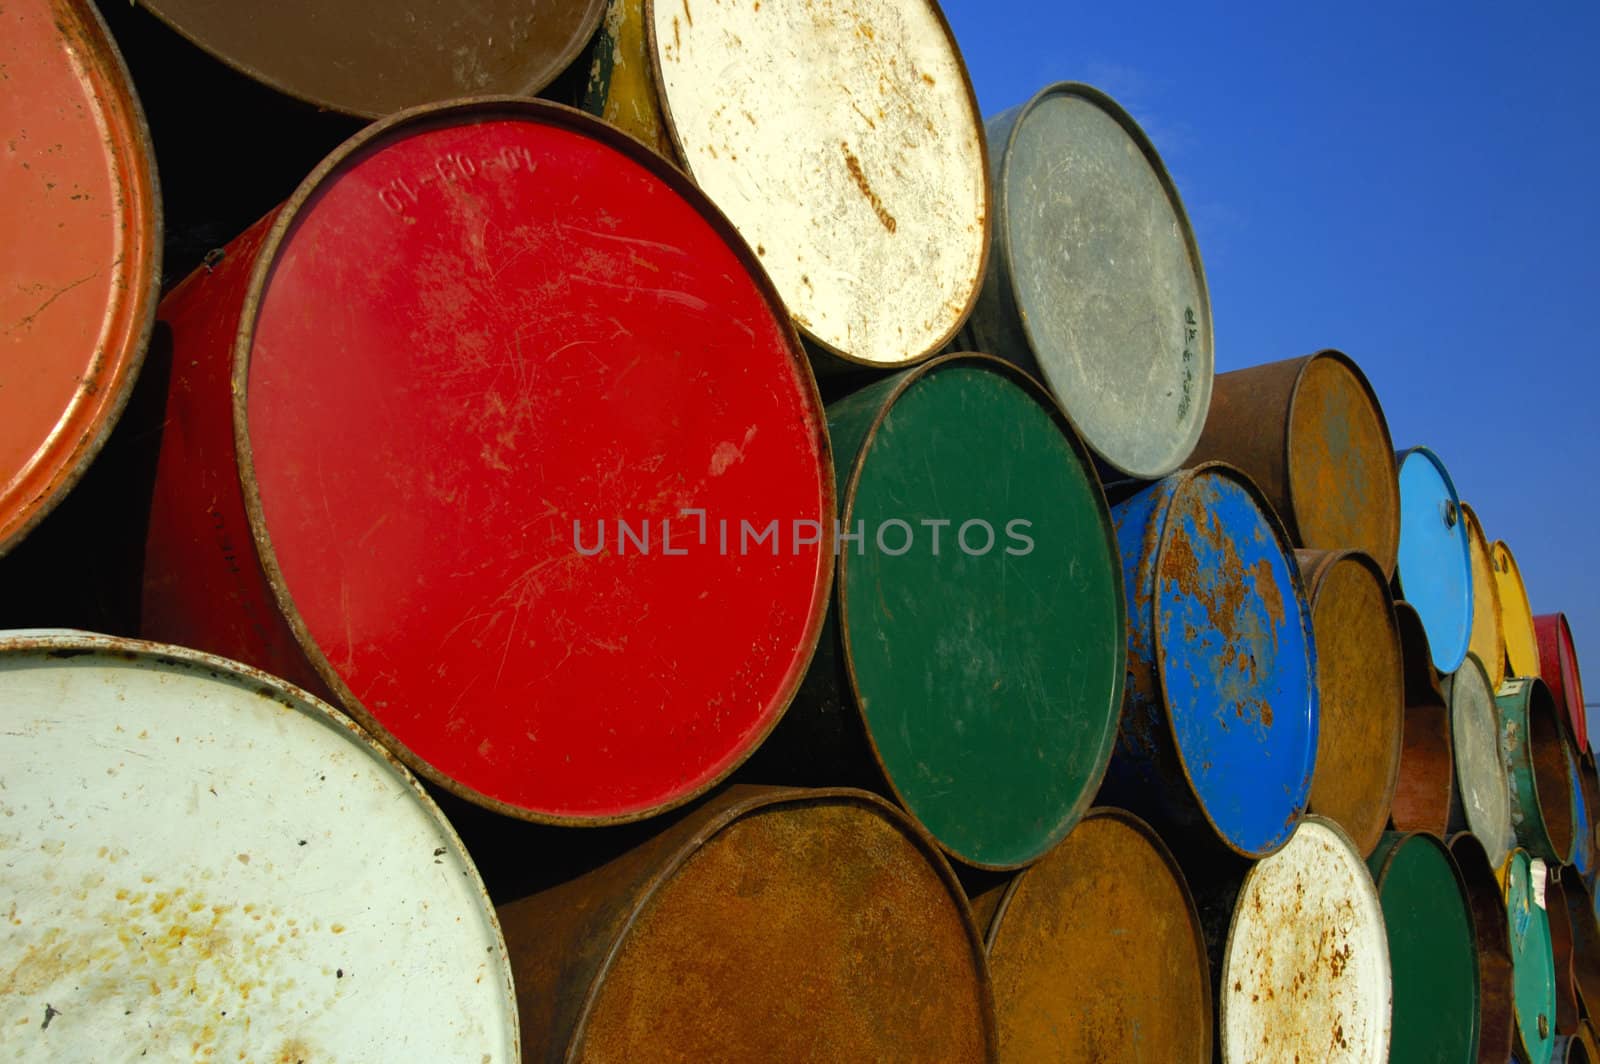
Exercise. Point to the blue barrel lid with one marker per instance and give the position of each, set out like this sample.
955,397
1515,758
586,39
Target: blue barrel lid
1434,573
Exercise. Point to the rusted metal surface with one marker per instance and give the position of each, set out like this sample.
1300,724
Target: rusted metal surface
1311,433
1488,641
81,258
767,924
1585,943
1569,1050
1220,712
1534,746
199,862
1427,756
621,88
845,143
1481,800
1496,1016
1558,667
1107,909
1306,971
1361,691
1561,952
374,57
1433,570
1516,616
1095,280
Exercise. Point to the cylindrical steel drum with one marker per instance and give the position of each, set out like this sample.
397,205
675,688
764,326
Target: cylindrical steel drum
1585,942
490,431
1310,432
768,924
201,862
977,637
1220,716
1558,667
845,143
1361,691
1492,936
1583,855
1516,616
81,258
1427,759
1481,800
1434,572
1535,753
1561,955
1096,953
370,58
1306,970
1095,278
1488,640
1432,950
1532,964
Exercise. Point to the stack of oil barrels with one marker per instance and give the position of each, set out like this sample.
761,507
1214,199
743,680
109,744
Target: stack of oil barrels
647,530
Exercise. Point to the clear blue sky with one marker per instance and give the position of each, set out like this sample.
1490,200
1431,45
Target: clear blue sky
1415,184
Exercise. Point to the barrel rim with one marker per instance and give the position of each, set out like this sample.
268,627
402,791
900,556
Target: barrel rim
589,23
1164,854
766,798
1292,519
140,185
1520,692
539,112
1035,390
1117,113
1369,894
986,187
1184,478
73,643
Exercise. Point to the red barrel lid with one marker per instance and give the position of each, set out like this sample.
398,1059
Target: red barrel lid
80,258
514,394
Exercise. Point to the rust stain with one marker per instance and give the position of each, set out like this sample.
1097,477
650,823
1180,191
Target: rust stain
860,178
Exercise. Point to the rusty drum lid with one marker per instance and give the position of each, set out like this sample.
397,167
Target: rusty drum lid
80,250
198,860
845,144
1306,967
1480,770
371,57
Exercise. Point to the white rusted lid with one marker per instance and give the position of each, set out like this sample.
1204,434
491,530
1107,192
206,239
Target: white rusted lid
845,144
199,862
1306,972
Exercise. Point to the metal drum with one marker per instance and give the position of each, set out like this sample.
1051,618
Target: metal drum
1532,962
1516,616
1481,802
1434,572
1432,950
845,143
201,862
1583,855
370,58
1095,278
768,924
1360,689
1220,716
1427,759
1561,952
1306,969
1585,942
81,258
1310,432
1107,909
975,657
1496,1003
1535,753
370,480
1488,640
1558,665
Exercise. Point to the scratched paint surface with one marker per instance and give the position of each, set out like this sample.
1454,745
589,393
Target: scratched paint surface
842,139
482,339
1480,771
1558,664
1220,657
1532,963
79,258
1305,975
1534,751
1516,615
196,864
1435,566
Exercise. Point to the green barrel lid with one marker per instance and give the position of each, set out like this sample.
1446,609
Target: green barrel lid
1432,950
981,610
1533,970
